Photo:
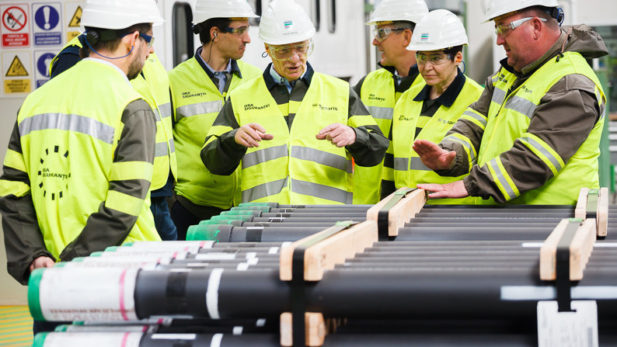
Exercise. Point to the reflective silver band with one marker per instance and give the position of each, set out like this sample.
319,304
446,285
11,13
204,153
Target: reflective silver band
401,164
264,190
321,191
498,96
198,108
417,164
263,155
69,122
476,116
381,112
535,144
502,180
321,157
521,105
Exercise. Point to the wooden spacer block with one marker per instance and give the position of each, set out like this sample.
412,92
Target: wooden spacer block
402,212
315,329
326,254
602,213
580,250
581,204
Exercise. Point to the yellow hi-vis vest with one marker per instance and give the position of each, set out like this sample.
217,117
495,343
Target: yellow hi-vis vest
379,96
409,170
154,87
508,120
197,102
68,147
295,167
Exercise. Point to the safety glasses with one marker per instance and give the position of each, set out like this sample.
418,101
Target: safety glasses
287,51
149,39
505,29
236,31
434,59
382,33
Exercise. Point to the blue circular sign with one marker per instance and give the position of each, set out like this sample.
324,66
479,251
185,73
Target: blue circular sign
42,64
47,17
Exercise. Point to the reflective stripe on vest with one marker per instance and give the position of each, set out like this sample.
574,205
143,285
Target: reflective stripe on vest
294,167
508,121
197,102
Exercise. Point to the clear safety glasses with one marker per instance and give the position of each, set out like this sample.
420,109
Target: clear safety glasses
236,31
285,52
434,59
505,29
383,33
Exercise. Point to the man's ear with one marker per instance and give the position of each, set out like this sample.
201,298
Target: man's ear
407,33
129,40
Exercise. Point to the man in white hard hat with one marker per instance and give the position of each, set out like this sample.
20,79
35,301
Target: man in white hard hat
293,131
533,136
199,87
77,171
394,22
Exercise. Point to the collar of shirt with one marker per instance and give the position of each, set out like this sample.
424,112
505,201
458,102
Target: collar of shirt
401,84
232,65
269,78
449,96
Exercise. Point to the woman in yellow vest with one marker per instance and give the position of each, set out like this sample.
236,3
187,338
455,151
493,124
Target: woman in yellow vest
429,111
293,130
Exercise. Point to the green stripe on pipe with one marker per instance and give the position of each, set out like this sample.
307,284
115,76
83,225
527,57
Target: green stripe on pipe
34,302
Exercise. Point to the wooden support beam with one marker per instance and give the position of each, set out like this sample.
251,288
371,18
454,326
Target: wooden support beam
327,253
581,204
402,212
580,250
315,329
602,213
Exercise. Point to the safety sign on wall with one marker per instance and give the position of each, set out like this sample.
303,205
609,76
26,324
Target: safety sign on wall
72,19
47,29
16,71
15,26
42,59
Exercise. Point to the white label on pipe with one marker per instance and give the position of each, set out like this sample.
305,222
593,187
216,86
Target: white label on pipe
273,250
605,244
260,322
174,336
242,267
125,339
215,256
250,255
516,293
212,293
568,329
67,295
237,330
531,245
216,340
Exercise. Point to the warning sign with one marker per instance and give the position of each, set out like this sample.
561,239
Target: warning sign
47,30
15,28
16,69
42,60
16,72
76,19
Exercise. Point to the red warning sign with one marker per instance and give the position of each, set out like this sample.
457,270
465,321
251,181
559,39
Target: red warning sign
15,27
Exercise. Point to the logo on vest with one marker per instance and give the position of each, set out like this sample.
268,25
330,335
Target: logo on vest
445,121
374,97
53,175
405,118
192,94
325,108
501,77
524,89
249,107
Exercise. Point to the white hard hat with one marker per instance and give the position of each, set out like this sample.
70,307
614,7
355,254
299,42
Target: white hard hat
396,10
439,29
283,22
119,14
207,9
498,8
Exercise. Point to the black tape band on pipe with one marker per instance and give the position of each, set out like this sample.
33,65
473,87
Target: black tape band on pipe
562,264
384,214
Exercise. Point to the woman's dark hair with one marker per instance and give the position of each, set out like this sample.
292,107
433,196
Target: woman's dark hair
451,51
